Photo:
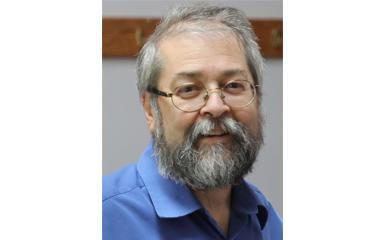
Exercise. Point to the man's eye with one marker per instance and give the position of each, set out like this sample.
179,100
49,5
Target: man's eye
235,87
188,91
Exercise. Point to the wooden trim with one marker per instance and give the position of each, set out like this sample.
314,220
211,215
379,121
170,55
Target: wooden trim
124,37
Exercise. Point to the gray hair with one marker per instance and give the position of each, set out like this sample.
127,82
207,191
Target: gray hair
149,63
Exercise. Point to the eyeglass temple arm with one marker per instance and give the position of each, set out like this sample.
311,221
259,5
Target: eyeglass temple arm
158,92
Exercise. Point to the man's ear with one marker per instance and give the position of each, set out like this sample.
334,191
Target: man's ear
148,111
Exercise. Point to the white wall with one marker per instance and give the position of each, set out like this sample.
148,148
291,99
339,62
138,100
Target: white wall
145,8
124,131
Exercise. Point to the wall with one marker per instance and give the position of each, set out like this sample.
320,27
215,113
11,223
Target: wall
124,130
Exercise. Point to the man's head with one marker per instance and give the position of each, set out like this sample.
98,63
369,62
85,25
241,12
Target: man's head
209,139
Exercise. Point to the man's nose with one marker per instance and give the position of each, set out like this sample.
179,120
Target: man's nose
215,105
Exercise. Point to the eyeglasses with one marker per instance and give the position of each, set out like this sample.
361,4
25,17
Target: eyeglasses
191,97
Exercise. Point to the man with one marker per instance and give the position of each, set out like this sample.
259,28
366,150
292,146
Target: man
199,80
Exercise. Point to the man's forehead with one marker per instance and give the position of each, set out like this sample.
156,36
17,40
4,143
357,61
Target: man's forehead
190,45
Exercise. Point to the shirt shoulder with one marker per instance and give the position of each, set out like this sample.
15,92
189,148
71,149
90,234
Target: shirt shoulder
122,181
127,207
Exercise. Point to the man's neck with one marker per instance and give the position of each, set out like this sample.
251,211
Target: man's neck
217,202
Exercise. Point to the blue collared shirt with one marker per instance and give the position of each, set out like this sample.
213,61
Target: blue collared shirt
140,204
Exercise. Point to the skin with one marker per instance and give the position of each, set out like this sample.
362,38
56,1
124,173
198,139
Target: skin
207,59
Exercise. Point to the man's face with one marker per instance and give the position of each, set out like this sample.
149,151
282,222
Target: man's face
216,145
189,58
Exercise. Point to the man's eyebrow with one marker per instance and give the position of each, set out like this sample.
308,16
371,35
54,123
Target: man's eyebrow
234,72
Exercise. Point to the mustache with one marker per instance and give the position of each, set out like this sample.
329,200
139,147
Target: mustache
207,126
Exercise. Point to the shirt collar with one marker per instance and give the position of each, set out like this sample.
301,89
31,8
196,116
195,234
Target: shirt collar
244,199
169,198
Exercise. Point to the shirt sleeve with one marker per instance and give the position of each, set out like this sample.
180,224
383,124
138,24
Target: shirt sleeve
124,220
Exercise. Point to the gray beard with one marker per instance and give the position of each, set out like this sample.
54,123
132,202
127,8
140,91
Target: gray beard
208,167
